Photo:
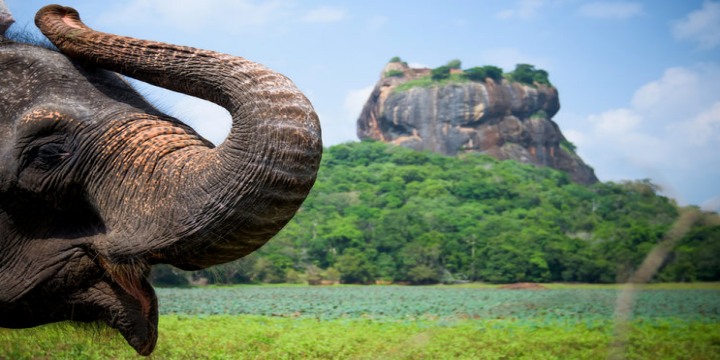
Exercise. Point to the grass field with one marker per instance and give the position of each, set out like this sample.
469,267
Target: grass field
670,322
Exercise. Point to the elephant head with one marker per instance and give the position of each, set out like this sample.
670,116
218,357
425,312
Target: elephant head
96,185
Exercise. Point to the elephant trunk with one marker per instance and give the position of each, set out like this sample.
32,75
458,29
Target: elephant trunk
210,205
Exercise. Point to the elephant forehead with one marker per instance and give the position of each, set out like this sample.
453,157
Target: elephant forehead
27,65
45,115
33,76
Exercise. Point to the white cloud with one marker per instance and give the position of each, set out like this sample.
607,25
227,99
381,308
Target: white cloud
681,93
616,122
670,133
525,9
324,14
341,127
611,9
677,85
356,99
700,26
575,137
191,16
703,128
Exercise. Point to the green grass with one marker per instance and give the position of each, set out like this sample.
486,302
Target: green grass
426,81
258,337
470,321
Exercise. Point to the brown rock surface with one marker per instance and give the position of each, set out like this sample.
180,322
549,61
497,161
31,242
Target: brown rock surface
507,120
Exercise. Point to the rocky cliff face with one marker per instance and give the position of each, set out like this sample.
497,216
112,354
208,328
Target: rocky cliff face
507,120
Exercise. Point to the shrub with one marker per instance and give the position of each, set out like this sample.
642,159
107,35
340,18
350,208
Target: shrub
423,275
540,114
440,73
493,72
541,77
523,73
527,74
395,73
476,74
396,59
454,64
568,146
479,73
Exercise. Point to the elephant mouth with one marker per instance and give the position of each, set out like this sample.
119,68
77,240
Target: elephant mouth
132,308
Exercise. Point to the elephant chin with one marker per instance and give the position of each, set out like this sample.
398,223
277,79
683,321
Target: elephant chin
135,312
125,302
139,328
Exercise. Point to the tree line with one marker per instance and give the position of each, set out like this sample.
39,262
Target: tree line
380,214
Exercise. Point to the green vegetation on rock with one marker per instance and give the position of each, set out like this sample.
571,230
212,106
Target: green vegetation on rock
528,75
540,114
396,73
442,75
480,73
568,146
428,81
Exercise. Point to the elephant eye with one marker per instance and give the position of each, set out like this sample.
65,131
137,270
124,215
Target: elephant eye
51,153
48,155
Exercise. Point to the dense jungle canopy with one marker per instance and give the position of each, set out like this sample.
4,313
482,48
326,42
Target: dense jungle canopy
380,213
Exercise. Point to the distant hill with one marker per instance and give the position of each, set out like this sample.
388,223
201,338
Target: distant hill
450,111
386,213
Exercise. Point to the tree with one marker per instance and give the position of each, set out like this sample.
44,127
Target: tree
440,73
166,275
354,267
523,73
421,258
541,77
454,64
493,72
476,74
383,212
271,269
481,73
527,74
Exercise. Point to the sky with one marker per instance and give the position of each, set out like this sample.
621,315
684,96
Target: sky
639,81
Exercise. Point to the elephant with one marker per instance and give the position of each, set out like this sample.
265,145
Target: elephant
97,185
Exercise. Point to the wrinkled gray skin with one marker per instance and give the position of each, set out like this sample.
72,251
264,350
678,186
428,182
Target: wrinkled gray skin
96,185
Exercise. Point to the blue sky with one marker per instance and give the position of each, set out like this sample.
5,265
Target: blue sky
639,81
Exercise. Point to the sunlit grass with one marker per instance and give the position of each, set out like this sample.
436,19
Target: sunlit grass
412,323
247,337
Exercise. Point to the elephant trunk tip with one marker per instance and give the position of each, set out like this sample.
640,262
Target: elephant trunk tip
52,13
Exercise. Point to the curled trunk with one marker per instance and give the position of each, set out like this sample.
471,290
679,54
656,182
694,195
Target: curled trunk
206,205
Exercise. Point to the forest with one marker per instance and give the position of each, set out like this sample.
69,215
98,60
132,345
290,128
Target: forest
382,214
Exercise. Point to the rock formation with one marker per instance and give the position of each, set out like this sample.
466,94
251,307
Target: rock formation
505,119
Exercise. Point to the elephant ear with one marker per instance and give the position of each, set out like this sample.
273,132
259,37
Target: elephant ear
195,206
